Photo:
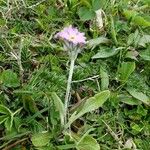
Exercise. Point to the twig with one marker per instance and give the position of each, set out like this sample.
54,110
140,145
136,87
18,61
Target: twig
90,78
113,134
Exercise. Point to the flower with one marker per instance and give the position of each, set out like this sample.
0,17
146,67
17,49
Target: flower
72,35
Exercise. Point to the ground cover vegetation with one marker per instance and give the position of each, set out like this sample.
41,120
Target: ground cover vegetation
109,96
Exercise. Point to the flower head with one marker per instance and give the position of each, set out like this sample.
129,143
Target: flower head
72,35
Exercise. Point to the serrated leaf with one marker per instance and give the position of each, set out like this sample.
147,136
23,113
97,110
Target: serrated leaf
88,143
59,106
9,79
139,95
40,139
105,53
91,104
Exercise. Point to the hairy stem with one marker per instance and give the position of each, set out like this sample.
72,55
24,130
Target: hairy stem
67,97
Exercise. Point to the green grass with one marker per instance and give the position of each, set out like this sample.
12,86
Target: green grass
33,65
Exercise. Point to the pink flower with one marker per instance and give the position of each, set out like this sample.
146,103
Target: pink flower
72,35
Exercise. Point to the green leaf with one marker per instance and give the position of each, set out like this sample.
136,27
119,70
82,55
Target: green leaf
136,128
134,39
2,22
5,110
91,104
29,103
97,41
88,143
135,18
128,100
9,79
86,13
132,55
67,146
86,3
145,39
141,110
59,106
9,122
139,95
40,139
97,4
104,79
3,118
113,31
105,53
125,71
145,54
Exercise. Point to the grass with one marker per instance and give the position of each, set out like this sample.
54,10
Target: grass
34,69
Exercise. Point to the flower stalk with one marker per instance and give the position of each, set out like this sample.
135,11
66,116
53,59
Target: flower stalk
73,41
67,96
73,55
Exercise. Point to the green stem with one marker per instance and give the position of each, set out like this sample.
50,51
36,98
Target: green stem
67,97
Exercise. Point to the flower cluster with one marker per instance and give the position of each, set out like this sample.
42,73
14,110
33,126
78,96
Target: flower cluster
72,35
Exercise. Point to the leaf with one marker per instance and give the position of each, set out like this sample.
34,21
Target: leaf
59,106
9,122
97,4
125,71
104,79
97,41
40,139
139,95
3,118
135,18
88,143
29,104
86,13
141,110
5,110
9,79
128,100
2,22
134,38
67,146
145,54
91,104
105,53
113,31
145,39
132,55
